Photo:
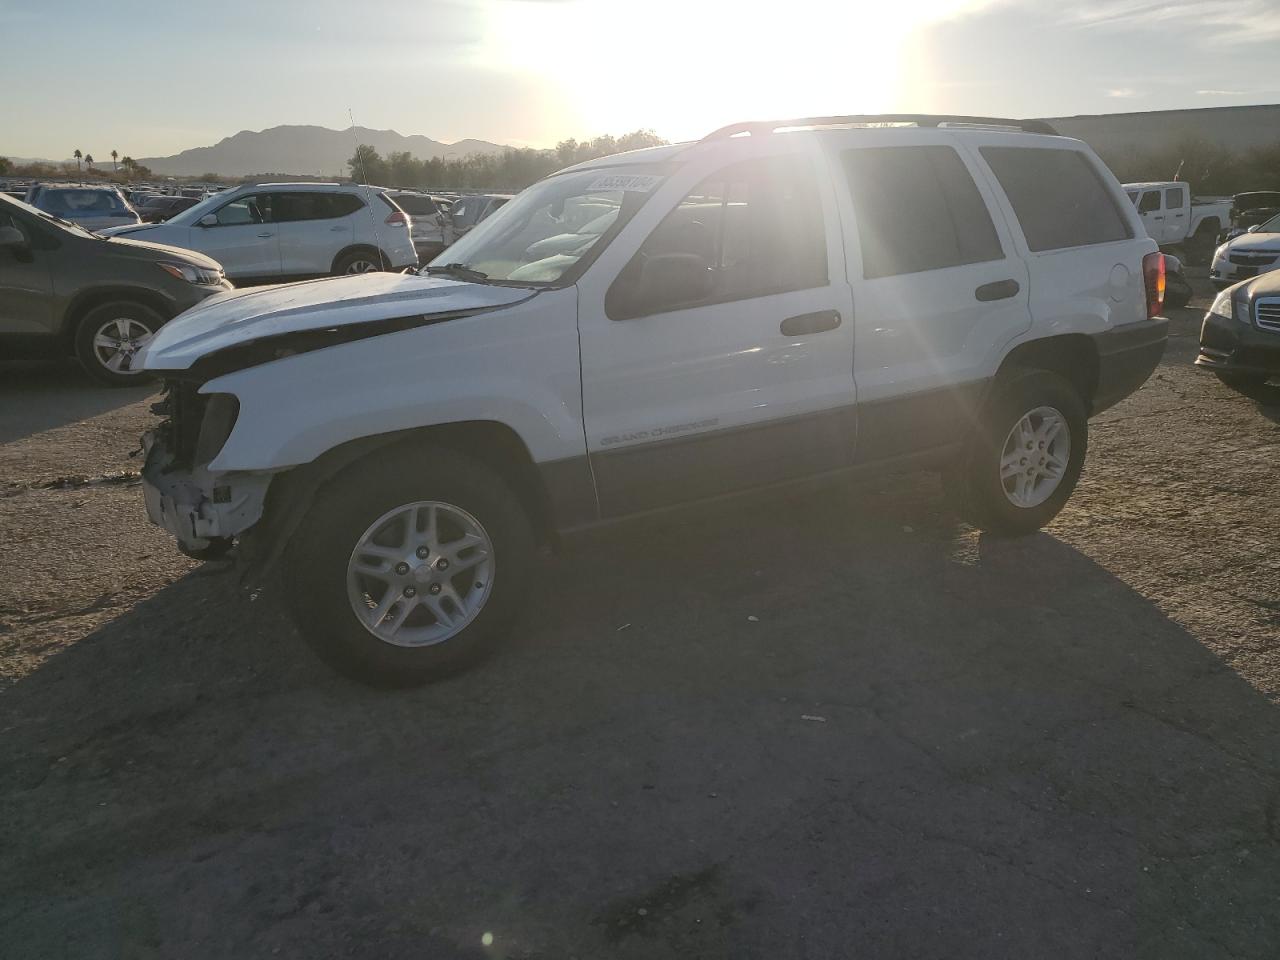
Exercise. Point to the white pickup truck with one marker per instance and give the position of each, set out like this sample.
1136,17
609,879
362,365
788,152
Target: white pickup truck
775,303
1172,217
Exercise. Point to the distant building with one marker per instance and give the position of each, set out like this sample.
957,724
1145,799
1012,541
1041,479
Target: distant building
1234,127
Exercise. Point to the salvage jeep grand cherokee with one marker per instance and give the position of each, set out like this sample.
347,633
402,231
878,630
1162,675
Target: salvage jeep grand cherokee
773,302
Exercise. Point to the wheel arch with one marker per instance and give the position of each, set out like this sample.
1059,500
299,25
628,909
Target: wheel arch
490,442
87,300
1073,356
368,248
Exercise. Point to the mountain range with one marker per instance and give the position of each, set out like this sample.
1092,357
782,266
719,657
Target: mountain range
302,150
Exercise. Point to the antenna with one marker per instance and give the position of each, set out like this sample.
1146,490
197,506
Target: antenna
364,178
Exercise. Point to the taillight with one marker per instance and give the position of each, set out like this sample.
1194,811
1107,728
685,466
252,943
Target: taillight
397,218
1154,277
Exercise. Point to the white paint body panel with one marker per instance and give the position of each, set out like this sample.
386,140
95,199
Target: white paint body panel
517,366
225,321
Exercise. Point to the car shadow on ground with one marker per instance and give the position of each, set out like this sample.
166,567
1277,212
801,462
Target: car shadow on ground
835,726
39,397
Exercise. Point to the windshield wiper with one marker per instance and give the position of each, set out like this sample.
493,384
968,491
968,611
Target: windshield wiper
459,270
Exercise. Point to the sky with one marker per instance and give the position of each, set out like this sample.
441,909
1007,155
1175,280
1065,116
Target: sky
150,79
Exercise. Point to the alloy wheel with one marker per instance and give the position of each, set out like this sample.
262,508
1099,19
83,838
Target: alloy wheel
117,342
1035,457
420,574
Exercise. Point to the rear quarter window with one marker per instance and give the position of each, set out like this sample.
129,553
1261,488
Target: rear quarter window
1059,197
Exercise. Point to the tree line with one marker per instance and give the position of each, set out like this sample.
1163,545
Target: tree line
512,169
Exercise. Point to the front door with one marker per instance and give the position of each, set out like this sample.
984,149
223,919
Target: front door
938,288
244,238
26,281
716,334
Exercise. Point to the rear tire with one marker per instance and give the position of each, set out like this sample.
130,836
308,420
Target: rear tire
108,338
1009,488
359,261
400,511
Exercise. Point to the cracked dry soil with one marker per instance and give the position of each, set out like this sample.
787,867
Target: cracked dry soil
1064,746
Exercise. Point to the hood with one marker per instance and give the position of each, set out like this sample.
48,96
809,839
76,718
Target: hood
127,228
242,318
1254,243
145,250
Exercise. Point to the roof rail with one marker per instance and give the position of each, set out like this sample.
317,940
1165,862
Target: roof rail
762,127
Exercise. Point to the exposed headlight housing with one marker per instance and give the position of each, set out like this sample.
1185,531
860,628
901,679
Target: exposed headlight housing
191,273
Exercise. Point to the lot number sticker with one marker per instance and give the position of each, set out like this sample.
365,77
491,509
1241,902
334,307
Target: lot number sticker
631,182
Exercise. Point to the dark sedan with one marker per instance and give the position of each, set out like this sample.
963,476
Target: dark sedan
162,208
1240,336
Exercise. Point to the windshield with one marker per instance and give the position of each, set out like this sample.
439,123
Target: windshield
194,213
1269,226
553,226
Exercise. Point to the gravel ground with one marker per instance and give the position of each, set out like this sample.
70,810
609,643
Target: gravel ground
849,726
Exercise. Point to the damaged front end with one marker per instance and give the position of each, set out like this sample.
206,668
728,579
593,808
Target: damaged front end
203,509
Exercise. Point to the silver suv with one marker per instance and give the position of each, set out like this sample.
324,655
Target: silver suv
269,231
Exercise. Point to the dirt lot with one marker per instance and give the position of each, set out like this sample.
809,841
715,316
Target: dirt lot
1065,746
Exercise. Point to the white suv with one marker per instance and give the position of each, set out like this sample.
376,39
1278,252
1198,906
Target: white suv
773,303
270,231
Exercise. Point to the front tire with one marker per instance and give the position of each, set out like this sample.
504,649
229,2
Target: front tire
1027,455
109,337
409,566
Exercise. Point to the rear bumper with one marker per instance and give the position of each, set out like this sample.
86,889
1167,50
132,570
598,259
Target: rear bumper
1230,346
1126,358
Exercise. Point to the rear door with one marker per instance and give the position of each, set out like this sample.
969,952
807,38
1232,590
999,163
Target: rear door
245,239
314,227
1069,219
1151,210
1177,209
938,287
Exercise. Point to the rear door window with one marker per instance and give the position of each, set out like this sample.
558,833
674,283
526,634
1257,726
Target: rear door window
309,205
1173,199
918,209
1059,197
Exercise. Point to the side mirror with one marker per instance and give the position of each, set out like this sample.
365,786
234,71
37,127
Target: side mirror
11,238
667,281
209,220
1254,228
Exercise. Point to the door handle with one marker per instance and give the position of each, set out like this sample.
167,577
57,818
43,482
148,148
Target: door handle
999,290
338,229
1158,216
265,235
808,323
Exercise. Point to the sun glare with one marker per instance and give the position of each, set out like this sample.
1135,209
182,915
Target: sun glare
684,68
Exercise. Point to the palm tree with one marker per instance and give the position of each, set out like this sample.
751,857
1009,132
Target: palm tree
77,155
114,155
88,160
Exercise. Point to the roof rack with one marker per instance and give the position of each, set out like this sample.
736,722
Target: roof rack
763,127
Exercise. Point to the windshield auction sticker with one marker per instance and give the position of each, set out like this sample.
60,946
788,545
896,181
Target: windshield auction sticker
630,182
